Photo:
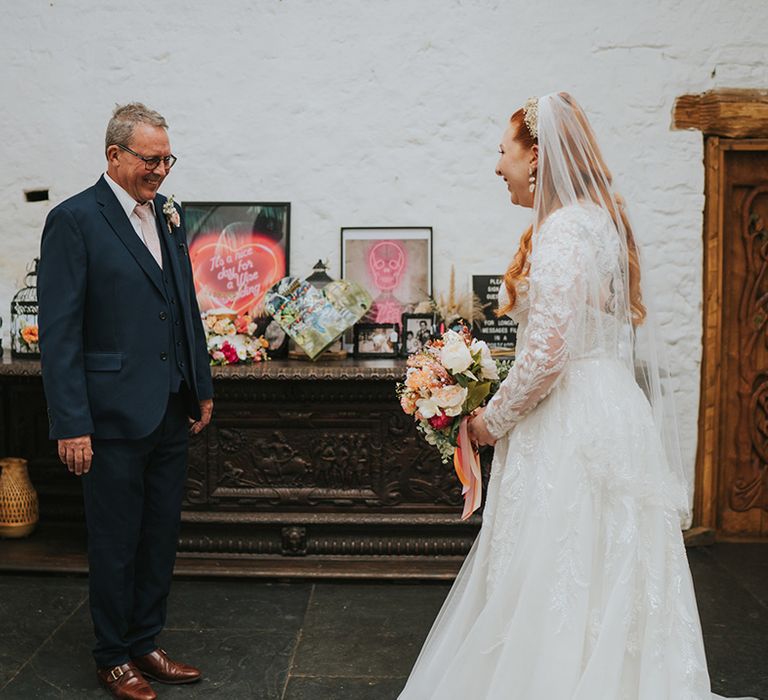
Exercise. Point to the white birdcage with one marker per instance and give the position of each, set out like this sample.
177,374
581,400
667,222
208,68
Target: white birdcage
24,308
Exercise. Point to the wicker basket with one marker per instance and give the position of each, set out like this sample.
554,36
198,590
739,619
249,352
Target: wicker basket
18,499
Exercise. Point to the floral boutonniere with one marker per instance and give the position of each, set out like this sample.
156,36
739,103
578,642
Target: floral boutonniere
171,214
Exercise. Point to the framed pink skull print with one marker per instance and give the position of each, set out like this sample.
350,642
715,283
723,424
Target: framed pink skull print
393,263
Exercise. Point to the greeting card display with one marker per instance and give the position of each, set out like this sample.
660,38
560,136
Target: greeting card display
315,318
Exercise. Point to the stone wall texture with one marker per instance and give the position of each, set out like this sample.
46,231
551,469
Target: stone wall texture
378,113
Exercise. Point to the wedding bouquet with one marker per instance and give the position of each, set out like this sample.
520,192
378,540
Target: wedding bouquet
444,383
231,338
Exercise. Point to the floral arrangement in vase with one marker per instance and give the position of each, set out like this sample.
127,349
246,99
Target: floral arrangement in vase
232,339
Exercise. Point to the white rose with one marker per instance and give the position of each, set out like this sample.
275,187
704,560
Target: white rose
455,356
490,370
452,337
450,398
487,363
479,346
427,407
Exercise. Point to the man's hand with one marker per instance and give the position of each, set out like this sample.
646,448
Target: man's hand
206,409
478,431
77,454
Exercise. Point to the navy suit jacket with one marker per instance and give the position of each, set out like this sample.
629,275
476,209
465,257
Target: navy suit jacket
105,336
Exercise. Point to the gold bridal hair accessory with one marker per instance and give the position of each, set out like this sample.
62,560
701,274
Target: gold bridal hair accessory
531,115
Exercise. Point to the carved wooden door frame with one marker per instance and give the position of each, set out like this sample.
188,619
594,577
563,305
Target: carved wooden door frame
730,120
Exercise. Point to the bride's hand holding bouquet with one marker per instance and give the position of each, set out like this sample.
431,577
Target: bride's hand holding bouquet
445,383
478,431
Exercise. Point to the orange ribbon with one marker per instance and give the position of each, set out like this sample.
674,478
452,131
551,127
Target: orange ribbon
466,462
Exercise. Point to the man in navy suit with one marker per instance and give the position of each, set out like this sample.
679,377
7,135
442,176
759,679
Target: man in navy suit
127,378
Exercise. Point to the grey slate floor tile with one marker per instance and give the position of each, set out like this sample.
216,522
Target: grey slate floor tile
237,605
343,688
326,640
31,609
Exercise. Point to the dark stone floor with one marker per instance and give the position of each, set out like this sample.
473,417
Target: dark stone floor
329,641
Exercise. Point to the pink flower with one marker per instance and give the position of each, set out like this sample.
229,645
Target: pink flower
230,353
440,421
426,371
218,355
241,324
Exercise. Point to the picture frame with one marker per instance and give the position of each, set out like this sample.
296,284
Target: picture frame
393,263
376,340
416,330
238,250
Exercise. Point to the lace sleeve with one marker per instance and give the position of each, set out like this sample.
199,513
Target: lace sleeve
557,297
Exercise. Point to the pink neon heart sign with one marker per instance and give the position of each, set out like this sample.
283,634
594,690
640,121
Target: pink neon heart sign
235,274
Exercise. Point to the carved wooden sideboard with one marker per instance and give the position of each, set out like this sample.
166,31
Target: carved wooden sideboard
306,469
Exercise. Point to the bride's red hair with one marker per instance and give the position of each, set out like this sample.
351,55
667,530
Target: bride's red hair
518,268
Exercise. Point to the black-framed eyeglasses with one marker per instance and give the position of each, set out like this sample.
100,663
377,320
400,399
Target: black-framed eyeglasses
151,162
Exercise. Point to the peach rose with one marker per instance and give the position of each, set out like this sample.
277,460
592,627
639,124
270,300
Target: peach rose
30,334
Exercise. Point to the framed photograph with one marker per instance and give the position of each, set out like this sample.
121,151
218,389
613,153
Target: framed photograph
393,264
377,340
417,330
238,250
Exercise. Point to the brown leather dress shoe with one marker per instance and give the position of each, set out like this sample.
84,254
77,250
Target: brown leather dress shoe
159,667
125,682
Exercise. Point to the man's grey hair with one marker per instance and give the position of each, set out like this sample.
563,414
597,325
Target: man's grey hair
124,121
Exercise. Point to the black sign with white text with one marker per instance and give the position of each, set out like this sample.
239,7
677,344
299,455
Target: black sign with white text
497,332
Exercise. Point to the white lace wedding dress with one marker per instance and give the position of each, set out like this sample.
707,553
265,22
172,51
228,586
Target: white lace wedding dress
578,586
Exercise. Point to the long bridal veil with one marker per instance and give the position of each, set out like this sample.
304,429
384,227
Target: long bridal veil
617,319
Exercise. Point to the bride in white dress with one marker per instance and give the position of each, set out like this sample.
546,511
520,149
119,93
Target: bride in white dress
578,586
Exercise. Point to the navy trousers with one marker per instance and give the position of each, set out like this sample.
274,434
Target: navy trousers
133,495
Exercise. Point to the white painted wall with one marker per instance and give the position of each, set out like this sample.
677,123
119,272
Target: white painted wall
377,113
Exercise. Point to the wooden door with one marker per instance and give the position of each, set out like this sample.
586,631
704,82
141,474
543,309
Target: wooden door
732,484
731,494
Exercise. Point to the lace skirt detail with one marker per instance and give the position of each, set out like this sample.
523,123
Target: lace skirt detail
577,587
